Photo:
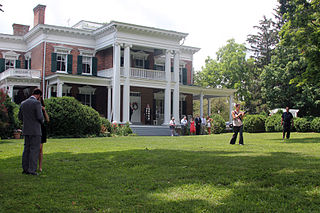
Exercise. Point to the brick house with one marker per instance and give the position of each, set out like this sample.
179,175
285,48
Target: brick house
106,66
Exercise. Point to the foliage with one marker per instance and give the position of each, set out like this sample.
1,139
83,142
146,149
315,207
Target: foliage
315,125
218,124
228,70
263,43
8,116
4,118
301,27
68,117
273,123
254,123
302,125
218,105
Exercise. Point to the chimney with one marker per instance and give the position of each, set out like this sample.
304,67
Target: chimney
39,14
19,29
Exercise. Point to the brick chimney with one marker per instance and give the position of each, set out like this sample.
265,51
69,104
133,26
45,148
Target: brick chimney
39,14
19,29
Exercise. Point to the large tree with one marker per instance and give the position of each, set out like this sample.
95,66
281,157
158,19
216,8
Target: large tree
228,70
262,43
302,27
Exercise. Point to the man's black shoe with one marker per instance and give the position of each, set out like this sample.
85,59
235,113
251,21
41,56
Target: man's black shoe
25,172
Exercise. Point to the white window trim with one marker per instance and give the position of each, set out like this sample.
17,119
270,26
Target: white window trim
90,64
66,63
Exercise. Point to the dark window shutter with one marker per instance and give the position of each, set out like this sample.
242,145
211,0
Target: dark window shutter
18,64
94,66
184,76
146,64
53,62
69,69
2,64
26,64
79,65
30,63
171,69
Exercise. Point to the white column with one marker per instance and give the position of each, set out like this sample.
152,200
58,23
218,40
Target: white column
201,104
109,103
59,88
176,91
49,91
167,92
209,106
126,87
116,82
10,91
230,107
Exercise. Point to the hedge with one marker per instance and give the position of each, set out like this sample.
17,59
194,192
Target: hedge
273,123
218,124
315,125
254,123
302,124
69,118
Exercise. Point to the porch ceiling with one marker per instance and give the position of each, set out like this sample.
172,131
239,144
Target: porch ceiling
207,92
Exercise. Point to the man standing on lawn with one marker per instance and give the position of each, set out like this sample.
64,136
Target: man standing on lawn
30,113
286,119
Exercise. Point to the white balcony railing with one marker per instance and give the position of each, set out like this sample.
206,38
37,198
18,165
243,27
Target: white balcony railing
17,72
136,73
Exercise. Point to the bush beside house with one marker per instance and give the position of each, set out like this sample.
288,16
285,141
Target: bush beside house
254,123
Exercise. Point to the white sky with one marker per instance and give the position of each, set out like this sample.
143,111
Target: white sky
209,23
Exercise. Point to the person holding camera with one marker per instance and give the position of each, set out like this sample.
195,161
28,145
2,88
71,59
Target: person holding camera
237,116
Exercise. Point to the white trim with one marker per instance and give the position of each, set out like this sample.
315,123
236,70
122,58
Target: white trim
62,50
11,55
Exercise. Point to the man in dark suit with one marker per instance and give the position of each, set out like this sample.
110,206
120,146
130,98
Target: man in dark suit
30,113
198,124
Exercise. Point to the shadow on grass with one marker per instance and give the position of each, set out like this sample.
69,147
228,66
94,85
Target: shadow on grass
163,181
298,140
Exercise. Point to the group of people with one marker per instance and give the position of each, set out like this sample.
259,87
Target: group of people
33,115
196,126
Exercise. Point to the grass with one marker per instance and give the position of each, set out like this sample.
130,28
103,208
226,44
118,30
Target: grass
166,174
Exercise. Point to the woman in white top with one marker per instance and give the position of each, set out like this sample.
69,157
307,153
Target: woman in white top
209,120
172,125
237,116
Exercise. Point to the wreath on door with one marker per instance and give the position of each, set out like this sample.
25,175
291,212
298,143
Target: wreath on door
135,106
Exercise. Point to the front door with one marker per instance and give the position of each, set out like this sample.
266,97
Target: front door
135,101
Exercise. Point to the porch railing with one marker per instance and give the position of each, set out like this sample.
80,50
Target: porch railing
17,72
136,73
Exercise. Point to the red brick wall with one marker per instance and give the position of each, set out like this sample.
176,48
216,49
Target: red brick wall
189,103
105,59
37,57
19,29
189,71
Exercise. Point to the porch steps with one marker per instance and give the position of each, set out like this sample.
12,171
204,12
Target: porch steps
149,130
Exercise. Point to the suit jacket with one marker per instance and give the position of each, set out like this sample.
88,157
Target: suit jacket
30,113
198,121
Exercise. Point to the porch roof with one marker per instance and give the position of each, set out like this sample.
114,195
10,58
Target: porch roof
207,92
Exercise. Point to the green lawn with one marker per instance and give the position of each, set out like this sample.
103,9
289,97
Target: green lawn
166,174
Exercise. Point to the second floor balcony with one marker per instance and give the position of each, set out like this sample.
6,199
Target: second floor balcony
20,73
138,73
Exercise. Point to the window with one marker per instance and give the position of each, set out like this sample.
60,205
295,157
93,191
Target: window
61,62
10,63
85,99
139,63
86,65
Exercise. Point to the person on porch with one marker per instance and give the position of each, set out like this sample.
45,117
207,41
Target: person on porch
147,114
197,121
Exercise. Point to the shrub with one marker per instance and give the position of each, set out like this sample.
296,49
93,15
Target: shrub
68,117
218,124
302,125
8,116
254,123
315,125
273,123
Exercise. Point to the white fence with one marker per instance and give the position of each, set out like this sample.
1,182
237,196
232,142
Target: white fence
24,73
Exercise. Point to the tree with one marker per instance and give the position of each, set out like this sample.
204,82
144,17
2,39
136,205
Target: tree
262,43
302,27
228,70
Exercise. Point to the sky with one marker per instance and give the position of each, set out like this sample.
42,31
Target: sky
209,23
